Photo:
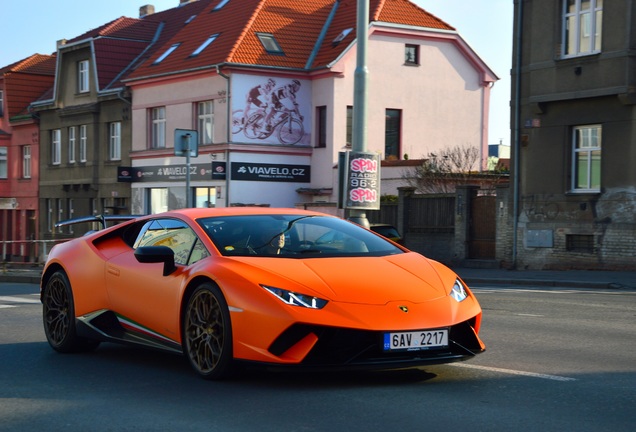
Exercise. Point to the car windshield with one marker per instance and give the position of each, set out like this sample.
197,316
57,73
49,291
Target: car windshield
293,236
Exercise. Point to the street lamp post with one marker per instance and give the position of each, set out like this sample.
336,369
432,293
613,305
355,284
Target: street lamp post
360,93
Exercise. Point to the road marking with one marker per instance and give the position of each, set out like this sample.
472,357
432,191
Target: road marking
530,315
11,299
6,306
513,372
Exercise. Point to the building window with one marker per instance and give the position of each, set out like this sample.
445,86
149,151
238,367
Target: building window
26,161
114,148
1,103
158,137
269,43
71,212
586,159
157,200
204,45
3,163
205,197
392,134
412,54
169,51
321,127
56,146
83,141
220,5
582,27
82,77
49,215
71,144
349,137
205,123
60,210
582,243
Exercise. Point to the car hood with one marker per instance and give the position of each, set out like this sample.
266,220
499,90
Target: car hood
366,280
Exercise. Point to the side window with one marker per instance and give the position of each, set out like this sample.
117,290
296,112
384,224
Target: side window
176,235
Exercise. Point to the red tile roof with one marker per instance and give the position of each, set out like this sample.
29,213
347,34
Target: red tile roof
295,24
26,80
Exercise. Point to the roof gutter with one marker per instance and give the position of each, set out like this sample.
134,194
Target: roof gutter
321,36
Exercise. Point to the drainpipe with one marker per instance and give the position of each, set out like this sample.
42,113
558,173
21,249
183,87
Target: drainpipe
517,134
228,133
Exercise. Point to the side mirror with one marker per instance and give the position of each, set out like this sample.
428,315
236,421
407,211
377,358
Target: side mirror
157,254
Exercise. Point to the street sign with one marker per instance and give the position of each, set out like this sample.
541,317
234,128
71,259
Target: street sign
185,140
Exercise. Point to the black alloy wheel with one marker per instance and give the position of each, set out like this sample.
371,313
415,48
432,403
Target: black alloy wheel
58,315
207,333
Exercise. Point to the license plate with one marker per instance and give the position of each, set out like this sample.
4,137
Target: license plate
416,340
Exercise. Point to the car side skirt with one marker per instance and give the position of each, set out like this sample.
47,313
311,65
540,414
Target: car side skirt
107,326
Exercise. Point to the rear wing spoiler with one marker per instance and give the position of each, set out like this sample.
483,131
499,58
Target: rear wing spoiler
102,219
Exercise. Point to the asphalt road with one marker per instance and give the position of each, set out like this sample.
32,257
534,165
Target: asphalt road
557,360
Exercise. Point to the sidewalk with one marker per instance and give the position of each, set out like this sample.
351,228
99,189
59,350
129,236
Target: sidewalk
472,276
554,278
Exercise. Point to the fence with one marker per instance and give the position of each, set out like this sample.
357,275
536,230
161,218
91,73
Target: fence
26,252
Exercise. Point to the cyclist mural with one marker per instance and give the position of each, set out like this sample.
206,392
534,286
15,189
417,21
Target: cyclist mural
272,112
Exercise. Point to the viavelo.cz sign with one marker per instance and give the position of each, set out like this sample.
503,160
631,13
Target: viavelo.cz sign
216,170
271,172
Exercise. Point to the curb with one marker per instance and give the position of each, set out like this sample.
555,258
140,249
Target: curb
543,282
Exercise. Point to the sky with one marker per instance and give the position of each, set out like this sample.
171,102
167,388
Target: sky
486,25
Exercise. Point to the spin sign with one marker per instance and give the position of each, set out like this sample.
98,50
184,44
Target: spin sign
363,181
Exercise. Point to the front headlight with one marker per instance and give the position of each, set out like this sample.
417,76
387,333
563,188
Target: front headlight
458,292
296,299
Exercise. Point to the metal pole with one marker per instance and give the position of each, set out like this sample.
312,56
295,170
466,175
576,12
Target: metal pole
188,194
360,94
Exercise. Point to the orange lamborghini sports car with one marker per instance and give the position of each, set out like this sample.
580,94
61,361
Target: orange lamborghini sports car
266,286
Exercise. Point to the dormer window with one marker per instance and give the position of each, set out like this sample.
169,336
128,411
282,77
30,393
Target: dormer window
220,5
343,34
204,45
82,77
167,53
269,43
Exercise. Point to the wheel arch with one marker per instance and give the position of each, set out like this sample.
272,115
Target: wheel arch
187,293
50,271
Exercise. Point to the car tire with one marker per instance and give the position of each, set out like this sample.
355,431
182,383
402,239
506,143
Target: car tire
58,315
207,333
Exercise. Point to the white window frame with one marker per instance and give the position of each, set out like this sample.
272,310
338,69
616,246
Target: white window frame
83,77
83,142
4,162
158,134
26,161
72,141
205,122
1,103
582,28
586,157
114,141
56,146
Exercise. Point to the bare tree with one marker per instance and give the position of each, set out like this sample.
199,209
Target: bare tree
443,172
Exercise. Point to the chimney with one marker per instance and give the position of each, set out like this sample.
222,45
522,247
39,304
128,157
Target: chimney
61,43
146,10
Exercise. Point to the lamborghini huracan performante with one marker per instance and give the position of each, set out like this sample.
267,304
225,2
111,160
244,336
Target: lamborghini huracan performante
262,286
